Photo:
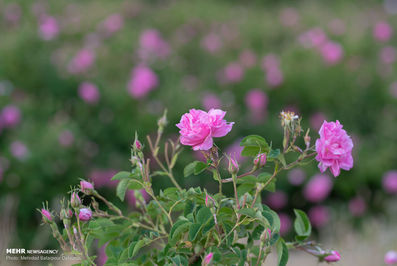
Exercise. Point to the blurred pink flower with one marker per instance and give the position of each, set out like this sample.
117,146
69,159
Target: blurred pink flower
19,150
10,116
82,61
247,58
391,257
317,119
143,80
289,17
285,223
274,77
270,62
382,31
334,148
211,42
256,101
296,176
197,128
318,188
233,73
211,101
112,24
319,216
89,92
66,138
315,37
131,199
152,45
388,55
102,177
357,206
390,182
332,52
102,257
48,28
12,13
234,150
277,200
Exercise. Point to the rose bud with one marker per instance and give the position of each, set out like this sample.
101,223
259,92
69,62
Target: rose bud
137,145
46,214
208,258
86,187
233,166
85,214
333,257
260,160
391,257
75,200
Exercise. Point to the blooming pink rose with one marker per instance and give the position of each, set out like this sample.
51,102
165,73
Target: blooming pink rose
85,214
335,256
391,257
318,188
334,148
143,80
197,128
382,31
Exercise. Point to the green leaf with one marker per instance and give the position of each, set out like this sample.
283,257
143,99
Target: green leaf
256,234
253,145
175,226
122,187
189,207
276,154
282,252
302,225
193,231
121,175
248,212
134,184
195,167
179,260
203,215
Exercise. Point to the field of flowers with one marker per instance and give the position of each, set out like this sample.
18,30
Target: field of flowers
79,78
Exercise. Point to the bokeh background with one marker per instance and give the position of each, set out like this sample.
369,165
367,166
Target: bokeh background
78,78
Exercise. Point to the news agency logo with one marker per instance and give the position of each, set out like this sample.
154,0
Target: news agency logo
22,251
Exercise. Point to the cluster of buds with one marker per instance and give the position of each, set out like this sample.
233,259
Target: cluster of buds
289,119
260,160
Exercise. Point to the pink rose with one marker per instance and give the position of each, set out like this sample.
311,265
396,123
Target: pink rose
197,128
334,148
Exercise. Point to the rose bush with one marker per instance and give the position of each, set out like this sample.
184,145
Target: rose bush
190,226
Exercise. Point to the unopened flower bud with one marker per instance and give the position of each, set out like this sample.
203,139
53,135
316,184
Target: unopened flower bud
266,235
391,257
137,145
134,160
333,257
260,160
66,214
233,166
209,201
307,139
208,259
46,214
86,187
162,122
75,200
85,214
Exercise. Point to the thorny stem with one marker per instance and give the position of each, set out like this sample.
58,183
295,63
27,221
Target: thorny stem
235,191
149,191
227,180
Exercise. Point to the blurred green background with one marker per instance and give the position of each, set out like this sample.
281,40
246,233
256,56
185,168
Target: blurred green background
78,78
